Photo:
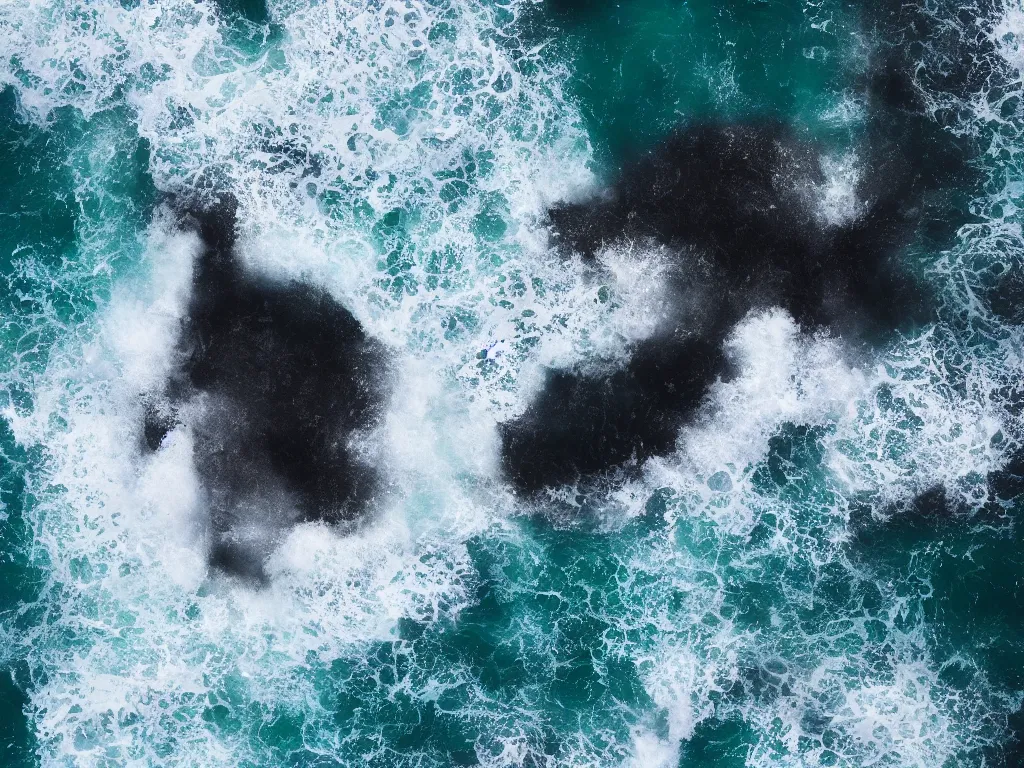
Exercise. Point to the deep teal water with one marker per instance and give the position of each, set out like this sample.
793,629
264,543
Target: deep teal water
773,595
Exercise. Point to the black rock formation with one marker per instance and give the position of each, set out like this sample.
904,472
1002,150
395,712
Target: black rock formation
276,380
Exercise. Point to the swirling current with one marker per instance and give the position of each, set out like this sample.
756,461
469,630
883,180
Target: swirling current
509,383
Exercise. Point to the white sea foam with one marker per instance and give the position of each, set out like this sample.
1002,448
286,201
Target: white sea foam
393,129
1007,32
126,534
651,752
398,155
891,430
837,202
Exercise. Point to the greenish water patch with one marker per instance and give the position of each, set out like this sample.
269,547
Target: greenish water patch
17,741
22,578
252,10
718,744
642,67
961,572
73,200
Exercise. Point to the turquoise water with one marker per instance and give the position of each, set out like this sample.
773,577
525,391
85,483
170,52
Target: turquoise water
787,588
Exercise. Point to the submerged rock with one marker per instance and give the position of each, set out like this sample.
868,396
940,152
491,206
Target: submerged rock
276,381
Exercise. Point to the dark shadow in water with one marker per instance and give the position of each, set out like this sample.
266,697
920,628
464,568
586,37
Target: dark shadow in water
274,379
251,10
580,424
735,206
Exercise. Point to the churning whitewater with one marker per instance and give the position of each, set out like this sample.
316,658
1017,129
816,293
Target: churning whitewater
507,383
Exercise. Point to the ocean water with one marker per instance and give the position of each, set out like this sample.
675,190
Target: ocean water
820,567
